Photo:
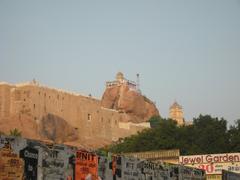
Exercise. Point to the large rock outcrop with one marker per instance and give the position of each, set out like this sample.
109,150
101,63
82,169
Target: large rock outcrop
136,107
57,129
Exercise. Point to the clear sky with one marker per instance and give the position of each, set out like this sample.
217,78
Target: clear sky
187,50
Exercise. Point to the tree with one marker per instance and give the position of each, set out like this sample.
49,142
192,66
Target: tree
210,135
15,132
205,135
234,137
155,121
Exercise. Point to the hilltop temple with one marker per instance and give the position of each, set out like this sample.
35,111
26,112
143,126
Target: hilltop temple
40,112
176,113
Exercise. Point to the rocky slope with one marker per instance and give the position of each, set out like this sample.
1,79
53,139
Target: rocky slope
137,107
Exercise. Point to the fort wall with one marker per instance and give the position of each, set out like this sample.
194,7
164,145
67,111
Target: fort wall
83,113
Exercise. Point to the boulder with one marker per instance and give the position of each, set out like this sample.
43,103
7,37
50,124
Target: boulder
138,108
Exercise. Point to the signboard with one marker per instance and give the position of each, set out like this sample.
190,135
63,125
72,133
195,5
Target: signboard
11,166
169,156
86,166
53,164
213,163
150,170
210,158
30,157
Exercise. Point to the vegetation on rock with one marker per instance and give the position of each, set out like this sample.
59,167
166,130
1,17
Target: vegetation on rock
15,132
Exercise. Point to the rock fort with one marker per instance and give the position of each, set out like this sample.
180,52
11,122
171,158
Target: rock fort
40,112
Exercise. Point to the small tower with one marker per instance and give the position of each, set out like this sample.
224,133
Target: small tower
176,113
119,77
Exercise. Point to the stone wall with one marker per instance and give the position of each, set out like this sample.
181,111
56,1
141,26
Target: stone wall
82,114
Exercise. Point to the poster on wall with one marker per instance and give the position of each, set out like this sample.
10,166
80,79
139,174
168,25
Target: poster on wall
129,168
86,167
30,157
53,164
11,166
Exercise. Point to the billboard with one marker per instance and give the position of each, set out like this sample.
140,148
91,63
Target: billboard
210,158
169,156
30,157
213,163
11,166
86,165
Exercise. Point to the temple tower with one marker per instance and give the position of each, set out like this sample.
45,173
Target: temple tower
176,113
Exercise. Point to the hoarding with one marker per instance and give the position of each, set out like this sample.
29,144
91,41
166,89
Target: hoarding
210,158
30,156
213,163
169,156
11,166
86,165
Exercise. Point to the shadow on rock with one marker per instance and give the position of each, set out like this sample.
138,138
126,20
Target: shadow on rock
57,129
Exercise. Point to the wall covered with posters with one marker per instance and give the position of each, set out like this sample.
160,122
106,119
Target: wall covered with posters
32,160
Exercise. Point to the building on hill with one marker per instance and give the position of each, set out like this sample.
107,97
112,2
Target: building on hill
120,80
176,113
47,113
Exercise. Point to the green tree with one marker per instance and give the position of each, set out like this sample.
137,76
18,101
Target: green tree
210,135
205,135
15,132
162,136
234,137
155,121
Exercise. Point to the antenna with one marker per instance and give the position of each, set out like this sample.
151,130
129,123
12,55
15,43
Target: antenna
138,83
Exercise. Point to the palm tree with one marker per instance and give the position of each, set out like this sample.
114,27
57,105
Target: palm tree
15,132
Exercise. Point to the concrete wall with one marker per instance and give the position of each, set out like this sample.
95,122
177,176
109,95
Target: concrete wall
83,113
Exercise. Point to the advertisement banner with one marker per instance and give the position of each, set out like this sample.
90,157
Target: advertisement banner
86,165
11,166
210,158
217,168
213,163
53,164
30,157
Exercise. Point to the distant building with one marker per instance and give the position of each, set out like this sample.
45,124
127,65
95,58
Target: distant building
176,113
120,80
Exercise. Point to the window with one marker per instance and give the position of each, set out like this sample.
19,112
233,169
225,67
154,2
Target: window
89,117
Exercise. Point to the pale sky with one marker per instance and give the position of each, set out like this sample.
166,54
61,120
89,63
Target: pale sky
188,50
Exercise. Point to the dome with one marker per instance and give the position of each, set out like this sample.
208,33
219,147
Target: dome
119,76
